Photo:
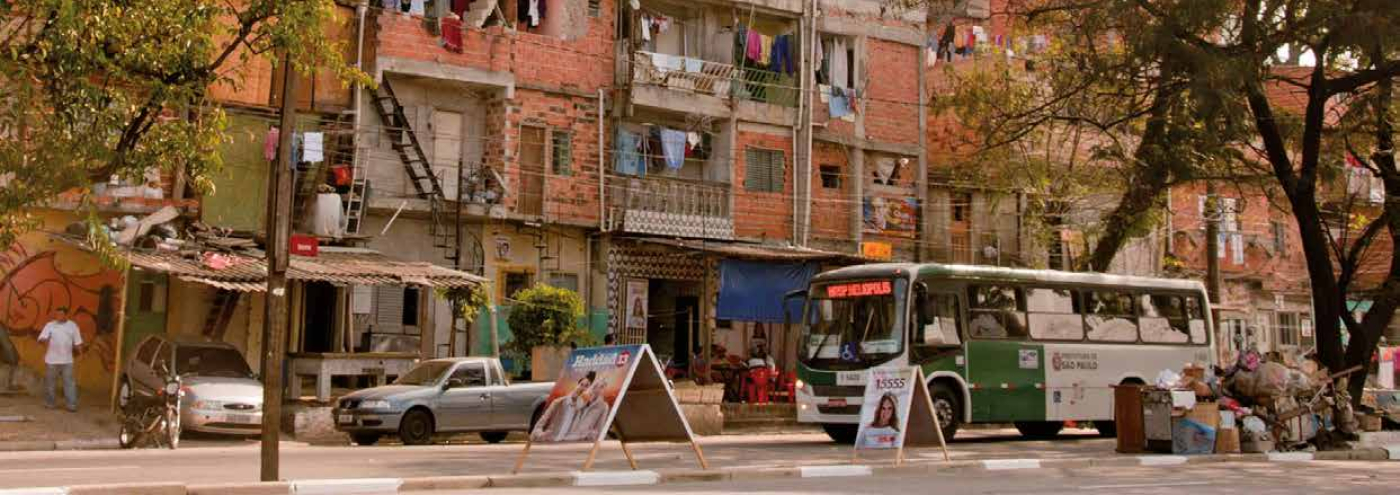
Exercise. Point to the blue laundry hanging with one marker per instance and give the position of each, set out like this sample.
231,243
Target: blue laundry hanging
673,147
627,160
838,106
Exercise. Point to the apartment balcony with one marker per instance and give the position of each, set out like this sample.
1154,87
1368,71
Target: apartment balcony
690,85
670,207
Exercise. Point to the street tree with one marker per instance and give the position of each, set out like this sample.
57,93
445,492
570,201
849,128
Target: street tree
1301,121
98,88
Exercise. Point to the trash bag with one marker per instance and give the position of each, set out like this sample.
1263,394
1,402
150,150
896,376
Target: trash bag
1167,379
1253,429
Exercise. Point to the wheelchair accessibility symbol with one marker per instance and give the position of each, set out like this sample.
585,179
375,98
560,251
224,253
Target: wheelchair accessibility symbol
848,352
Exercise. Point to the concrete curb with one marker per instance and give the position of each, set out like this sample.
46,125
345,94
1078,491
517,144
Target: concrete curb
49,445
673,476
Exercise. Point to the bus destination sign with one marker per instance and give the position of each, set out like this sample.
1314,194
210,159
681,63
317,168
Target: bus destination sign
859,289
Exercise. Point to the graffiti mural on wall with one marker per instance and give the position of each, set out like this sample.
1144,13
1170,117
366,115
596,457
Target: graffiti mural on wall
38,275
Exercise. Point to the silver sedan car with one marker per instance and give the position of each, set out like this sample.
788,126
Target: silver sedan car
221,394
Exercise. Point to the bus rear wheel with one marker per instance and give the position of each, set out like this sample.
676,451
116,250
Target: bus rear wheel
842,433
1041,430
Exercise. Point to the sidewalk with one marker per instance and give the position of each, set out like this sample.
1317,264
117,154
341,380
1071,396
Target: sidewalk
28,425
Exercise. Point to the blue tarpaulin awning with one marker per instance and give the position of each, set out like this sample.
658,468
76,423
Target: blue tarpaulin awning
754,290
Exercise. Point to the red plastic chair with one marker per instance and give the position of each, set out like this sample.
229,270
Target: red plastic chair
788,383
757,384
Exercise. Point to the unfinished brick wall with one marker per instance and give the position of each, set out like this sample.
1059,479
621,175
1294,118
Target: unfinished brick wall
891,101
762,215
831,207
1278,270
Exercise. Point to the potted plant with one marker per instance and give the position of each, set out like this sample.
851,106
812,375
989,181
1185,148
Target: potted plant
544,324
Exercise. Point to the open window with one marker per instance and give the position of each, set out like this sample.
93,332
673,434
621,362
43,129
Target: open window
996,312
939,325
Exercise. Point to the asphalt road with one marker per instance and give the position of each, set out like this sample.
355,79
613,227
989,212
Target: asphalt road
1351,478
201,461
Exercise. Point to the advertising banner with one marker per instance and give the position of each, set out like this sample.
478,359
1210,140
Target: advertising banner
580,406
897,412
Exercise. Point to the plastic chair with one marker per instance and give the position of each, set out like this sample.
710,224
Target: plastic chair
788,384
757,384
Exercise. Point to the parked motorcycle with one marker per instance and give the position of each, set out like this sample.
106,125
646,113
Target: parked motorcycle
153,419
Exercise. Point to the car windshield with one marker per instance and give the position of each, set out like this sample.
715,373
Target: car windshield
426,373
210,361
854,324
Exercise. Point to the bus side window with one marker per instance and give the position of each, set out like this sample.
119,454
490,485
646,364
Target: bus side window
941,326
1196,320
996,312
1162,319
1111,316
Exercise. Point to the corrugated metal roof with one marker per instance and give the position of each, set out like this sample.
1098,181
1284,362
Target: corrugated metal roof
349,267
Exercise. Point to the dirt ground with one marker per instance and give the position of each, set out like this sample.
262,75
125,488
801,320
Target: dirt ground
93,420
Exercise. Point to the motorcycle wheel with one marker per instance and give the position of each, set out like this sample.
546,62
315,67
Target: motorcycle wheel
172,431
129,433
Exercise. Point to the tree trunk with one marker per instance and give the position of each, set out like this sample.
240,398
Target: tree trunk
1383,306
1150,176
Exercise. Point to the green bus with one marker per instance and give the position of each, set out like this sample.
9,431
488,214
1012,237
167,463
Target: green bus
1035,348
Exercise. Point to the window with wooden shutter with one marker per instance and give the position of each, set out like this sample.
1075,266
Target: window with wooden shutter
388,306
763,170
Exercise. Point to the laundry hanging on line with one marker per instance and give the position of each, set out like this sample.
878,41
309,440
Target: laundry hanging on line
452,33
628,158
314,147
673,147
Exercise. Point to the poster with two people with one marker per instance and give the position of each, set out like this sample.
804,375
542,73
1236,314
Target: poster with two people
580,407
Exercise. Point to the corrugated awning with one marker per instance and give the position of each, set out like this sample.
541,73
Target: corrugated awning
340,266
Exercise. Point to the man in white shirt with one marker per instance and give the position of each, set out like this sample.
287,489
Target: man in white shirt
62,337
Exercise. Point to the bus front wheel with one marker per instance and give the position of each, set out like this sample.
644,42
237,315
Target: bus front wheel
947,405
842,433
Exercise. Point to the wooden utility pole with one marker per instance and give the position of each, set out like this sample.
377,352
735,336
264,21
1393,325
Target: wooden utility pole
278,226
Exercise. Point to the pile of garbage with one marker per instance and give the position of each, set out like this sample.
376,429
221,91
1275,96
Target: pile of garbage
1268,406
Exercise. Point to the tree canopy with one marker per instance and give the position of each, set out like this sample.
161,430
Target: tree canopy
95,88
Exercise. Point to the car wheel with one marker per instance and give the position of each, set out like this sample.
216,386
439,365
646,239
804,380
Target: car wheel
844,434
416,428
1041,430
493,436
947,405
365,439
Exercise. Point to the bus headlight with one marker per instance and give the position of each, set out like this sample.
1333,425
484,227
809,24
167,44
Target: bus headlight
801,385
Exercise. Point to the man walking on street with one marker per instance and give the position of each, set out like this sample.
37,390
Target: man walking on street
63,338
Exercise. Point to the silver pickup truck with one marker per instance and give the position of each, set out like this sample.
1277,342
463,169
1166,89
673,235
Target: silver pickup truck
451,395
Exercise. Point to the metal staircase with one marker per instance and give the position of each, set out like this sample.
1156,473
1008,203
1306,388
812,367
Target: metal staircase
443,227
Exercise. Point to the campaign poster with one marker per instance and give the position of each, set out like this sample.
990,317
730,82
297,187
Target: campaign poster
580,406
884,415
637,305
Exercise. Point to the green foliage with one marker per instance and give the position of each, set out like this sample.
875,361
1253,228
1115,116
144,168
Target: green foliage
469,301
96,88
545,316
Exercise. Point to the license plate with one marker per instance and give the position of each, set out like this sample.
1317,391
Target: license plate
246,419
346,419
836,402
850,378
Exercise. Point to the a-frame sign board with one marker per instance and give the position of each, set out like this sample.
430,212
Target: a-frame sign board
897,412
619,389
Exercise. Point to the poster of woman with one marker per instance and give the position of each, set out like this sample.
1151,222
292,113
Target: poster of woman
885,411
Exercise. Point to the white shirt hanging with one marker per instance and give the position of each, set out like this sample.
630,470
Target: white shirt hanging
534,13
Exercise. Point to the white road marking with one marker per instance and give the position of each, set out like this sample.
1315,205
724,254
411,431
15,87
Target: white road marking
61,470
834,471
1290,456
1003,464
347,486
1145,485
614,478
1162,460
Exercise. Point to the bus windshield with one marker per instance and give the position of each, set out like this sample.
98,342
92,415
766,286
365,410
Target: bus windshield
854,324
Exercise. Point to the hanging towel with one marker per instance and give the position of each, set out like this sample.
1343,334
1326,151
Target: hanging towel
313,143
270,144
839,106
753,47
673,146
839,64
645,27
765,48
627,161
452,33
534,13
415,7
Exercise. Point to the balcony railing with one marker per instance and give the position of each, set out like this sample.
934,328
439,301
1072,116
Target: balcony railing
682,73
670,206
704,77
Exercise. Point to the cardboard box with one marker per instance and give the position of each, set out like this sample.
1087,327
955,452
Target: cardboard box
1227,441
1205,413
